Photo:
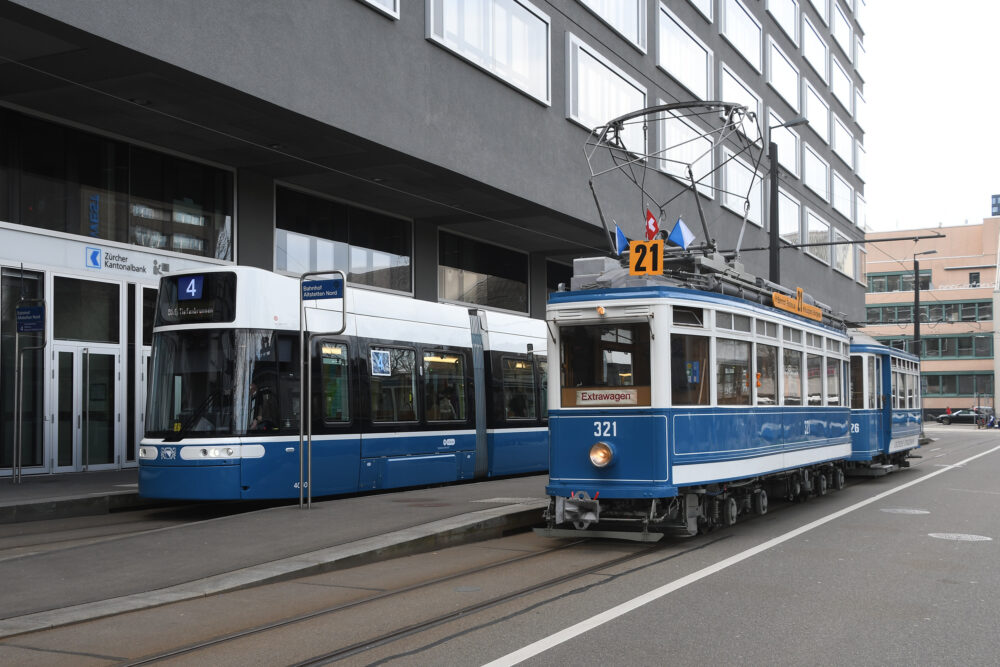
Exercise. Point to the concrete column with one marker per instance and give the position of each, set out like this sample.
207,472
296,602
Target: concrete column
254,219
537,291
425,260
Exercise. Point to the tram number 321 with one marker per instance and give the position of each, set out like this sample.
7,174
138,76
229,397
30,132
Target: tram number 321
605,429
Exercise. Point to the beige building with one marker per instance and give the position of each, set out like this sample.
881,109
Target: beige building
957,294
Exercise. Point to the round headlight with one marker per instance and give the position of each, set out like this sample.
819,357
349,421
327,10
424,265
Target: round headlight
601,455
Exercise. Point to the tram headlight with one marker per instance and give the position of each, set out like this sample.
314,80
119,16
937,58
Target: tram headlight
601,455
147,453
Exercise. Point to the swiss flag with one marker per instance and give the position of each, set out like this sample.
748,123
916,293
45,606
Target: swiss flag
652,226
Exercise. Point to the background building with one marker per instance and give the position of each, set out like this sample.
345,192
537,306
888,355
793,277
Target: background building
958,292
431,148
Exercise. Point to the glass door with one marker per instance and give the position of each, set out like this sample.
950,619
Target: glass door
86,416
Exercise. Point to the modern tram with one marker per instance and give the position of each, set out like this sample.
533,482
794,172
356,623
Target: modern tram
410,393
682,401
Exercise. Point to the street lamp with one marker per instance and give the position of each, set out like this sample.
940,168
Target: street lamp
774,266
916,300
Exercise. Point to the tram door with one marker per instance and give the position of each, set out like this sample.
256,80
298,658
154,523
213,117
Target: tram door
85,417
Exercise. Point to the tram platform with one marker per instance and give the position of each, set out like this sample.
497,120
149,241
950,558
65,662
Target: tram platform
187,560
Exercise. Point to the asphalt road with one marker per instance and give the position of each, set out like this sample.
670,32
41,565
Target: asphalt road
890,571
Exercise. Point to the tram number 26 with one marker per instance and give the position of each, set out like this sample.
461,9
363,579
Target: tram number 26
645,257
605,429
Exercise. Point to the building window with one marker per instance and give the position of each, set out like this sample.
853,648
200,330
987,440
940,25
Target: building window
705,7
742,30
682,144
843,196
734,90
478,273
840,83
68,181
958,385
741,184
860,212
816,174
843,141
789,218
508,38
683,56
387,7
787,141
859,57
782,75
821,8
996,204
599,92
843,254
974,279
316,234
814,48
627,17
786,15
862,258
841,28
859,107
818,113
818,232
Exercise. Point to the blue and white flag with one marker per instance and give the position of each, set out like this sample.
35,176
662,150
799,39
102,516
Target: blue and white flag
620,240
681,235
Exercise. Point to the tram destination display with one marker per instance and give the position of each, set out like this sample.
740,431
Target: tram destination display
193,298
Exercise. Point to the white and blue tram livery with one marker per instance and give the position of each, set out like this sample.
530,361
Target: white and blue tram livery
885,406
685,399
411,393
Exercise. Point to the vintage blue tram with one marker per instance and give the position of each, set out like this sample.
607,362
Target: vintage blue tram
680,402
410,393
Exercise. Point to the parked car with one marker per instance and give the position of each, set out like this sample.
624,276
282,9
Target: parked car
965,416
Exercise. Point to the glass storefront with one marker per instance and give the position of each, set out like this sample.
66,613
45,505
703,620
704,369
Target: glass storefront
470,271
65,180
14,285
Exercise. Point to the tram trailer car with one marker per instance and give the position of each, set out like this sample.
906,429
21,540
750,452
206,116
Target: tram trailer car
679,404
886,414
411,393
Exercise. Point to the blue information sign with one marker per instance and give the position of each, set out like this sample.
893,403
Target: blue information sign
189,287
323,289
30,319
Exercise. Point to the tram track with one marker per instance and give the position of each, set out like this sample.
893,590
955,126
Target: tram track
388,637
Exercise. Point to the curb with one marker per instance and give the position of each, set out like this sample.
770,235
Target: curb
462,529
84,505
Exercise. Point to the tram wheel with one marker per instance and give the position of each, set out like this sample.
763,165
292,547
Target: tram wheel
794,490
821,484
838,478
729,511
760,502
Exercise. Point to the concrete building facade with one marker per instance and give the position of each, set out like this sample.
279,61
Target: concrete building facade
957,286
430,148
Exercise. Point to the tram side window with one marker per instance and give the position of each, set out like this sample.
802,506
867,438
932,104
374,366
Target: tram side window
874,395
767,374
274,382
792,361
444,385
733,371
393,384
858,383
833,386
911,401
689,370
814,379
597,357
334,383
543,386
518,377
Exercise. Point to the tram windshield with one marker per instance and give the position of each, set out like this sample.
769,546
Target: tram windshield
605,365
222,382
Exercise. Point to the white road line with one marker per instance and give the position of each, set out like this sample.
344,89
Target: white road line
562,636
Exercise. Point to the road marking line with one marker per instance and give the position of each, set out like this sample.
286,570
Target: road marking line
578,629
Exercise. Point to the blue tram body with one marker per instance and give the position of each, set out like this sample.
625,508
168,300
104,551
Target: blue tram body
680,406
409,394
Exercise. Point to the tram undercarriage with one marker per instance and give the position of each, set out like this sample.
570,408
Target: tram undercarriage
694,510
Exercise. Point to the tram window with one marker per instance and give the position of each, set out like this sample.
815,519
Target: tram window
723,320
767,375
741,323
689,366
333,382
833,386
812,340
858,382
518,377
603,356
543,386
393,384
688,316
911,401
792,335
769,329
792,362
874,383
814,379
732,371
444,386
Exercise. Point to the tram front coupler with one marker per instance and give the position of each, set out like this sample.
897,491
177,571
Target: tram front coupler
579,509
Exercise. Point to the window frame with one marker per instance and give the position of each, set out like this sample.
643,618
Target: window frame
728,30
641,29
731,161
776,15
812,251
773,51
825,193
664,14
810,37
811,98
391,13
